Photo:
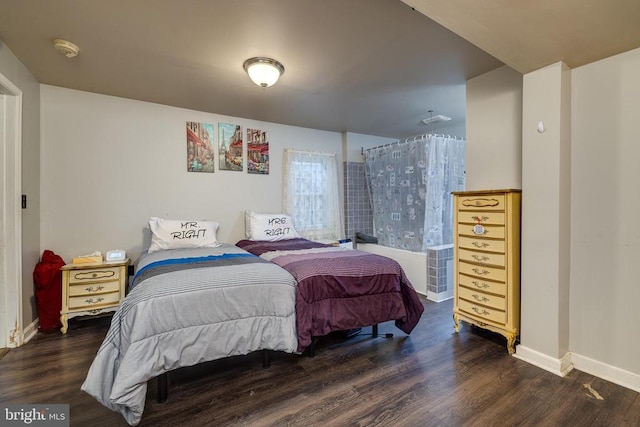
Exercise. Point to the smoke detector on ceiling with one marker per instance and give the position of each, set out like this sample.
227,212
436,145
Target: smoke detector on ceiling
66,48
435,119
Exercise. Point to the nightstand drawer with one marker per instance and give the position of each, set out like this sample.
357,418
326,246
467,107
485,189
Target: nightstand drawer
483,312
485,202
93,288
94,274
476,297
91,301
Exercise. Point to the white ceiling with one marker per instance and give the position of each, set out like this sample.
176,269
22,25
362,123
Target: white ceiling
366,66
529,35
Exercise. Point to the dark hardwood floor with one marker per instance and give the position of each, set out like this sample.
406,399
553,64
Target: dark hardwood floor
434,377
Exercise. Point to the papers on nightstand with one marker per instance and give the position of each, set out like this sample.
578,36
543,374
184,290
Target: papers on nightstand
92,258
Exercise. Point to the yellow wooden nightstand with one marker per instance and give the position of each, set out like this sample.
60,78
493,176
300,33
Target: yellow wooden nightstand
92,289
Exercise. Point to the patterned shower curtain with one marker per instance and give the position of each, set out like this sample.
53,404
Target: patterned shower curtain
410,184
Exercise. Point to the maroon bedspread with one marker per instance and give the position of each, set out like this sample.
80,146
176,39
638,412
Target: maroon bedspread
341,289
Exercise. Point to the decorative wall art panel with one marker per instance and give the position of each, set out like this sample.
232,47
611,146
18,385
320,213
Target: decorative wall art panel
200,147
257,152
230,149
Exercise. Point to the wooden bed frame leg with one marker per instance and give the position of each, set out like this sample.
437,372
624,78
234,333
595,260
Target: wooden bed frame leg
374,331
163,387
266,358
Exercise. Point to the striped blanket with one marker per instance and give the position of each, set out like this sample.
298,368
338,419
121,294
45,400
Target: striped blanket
188,306
340,289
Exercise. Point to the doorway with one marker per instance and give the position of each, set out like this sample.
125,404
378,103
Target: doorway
10,215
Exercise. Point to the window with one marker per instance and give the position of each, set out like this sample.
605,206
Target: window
311,193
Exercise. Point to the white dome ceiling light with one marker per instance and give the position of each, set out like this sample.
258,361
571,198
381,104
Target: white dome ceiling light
66,48
263,71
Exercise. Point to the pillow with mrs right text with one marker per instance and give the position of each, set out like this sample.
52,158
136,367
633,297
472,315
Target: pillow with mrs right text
269,227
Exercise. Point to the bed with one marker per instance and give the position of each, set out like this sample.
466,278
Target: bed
187,306
341,289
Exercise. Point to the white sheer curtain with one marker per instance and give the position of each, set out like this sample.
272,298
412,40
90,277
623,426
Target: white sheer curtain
445,173
310,193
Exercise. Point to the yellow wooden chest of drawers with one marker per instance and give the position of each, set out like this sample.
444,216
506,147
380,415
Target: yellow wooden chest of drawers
487,261
92,289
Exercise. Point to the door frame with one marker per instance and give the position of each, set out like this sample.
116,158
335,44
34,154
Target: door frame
11,322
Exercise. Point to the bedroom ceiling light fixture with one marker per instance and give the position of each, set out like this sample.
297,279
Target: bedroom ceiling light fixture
263,71
66,48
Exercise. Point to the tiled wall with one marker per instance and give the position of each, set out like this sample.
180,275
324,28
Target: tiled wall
439,280
358,215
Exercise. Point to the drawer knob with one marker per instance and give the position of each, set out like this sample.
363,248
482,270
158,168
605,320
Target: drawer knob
97,288
481,272
480,298
480,285
92,301
479,311
94,275
480,258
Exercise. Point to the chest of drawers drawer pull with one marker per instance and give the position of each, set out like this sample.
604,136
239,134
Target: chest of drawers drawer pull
92,301
92,289
479,245
480,272
480,258
482,312
479,285
479,218
480,298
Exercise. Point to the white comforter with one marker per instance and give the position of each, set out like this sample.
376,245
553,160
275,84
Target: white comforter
189,306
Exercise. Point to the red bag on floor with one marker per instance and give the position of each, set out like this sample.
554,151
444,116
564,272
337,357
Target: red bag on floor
48,280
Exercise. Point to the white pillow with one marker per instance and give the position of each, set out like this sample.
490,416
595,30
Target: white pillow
177,234
269,227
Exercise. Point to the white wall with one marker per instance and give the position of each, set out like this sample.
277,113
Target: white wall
494,130
605,202
546,192
355,142
17,73
109,163
604,239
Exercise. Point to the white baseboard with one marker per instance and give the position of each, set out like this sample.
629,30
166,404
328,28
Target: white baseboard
30,331
560,367
439,297
570,361
606,372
